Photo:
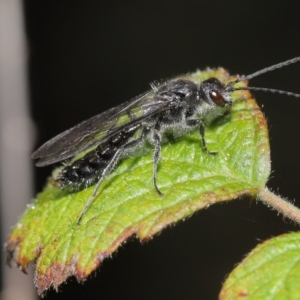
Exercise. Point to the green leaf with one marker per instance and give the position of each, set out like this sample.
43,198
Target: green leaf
270,271
127,203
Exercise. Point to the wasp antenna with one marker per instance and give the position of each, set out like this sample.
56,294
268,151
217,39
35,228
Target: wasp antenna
269,69
268,90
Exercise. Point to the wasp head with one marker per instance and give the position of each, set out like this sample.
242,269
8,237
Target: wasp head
213,92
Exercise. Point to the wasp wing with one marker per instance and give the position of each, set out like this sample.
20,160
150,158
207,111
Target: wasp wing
98,129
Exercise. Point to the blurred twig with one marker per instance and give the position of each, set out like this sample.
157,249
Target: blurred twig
15,139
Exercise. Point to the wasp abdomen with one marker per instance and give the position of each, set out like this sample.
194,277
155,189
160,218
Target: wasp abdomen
86,170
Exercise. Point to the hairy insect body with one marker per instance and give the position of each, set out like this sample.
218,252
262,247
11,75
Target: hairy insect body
182,98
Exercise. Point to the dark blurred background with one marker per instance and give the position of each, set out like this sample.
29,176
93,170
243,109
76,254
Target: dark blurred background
87,56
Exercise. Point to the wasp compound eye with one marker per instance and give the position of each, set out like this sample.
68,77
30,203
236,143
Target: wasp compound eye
217,98
213,92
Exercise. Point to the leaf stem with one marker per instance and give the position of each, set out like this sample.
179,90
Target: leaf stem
281,205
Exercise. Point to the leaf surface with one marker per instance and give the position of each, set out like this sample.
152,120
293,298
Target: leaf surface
127,203
270,271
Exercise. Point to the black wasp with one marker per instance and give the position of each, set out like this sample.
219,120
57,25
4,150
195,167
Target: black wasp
178,105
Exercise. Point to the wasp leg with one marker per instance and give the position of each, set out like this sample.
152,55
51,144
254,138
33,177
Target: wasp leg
156,155
108,169
195,122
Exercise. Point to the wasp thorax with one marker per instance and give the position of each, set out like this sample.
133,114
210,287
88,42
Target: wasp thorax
180,89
